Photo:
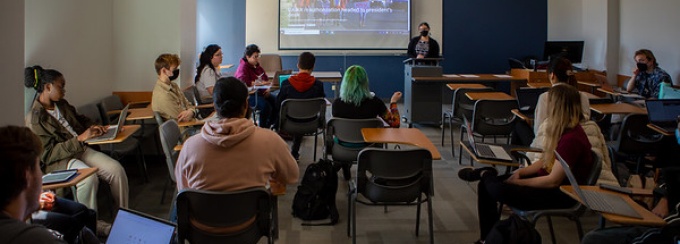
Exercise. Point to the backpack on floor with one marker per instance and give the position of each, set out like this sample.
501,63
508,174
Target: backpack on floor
513,230
315,197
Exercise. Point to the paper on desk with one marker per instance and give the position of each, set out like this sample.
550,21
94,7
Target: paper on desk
470,76
451,76
503,76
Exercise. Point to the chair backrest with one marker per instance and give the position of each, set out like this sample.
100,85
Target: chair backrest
107,104
493,117
170,136
636,138
349,130
515,64
224,210
302,116
191,93
527,98
595,170
158,117
270,63
462,105
387,183
92,112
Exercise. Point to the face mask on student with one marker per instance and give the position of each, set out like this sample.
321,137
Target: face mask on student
642,67
424,33
175,74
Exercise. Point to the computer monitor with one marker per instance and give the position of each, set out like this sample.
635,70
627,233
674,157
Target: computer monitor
572,50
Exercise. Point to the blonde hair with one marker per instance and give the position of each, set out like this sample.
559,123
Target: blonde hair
564,112
166,60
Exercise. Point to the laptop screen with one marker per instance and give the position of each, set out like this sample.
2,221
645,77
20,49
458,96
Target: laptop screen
470,135
666,110
134,227
571,177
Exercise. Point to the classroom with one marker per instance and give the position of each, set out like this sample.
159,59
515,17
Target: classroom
109,46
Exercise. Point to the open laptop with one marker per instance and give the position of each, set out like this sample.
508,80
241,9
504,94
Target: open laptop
527,98
599,201
486,151
664,113
277,76
134,227
112,132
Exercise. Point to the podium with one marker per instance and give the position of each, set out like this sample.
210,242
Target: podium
422,100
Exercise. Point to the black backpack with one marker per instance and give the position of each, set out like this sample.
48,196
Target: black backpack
513,230
315,197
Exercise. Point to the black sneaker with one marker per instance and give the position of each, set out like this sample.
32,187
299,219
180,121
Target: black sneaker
471,174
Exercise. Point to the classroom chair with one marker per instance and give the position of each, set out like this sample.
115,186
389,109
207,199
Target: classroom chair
490,118
461,106
635,141
271,63
344,140
304,117
170,136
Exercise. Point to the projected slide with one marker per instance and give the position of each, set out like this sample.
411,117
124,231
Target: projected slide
344,24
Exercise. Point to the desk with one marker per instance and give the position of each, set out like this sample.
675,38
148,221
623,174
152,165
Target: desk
593,86
648,218
333,77
122,135
474,157
488,96
423,94
410,136
661,131
617,108
82,174
591,96
539,84
456,86
139,114
523,116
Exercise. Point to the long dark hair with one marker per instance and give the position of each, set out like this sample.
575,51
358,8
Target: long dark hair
250,49
205,60
230,95
36,77
562,69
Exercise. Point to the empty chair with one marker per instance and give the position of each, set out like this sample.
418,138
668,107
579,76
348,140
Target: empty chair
91,111
271,63
635,141
461,106
490,118
110,108
379,182
190,93
344,140
170,136
573,213
527,98
303,117
224,217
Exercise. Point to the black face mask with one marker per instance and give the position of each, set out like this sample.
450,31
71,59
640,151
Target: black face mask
175,74
642,67
424,33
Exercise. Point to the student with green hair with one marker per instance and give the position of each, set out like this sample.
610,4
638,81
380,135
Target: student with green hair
358,102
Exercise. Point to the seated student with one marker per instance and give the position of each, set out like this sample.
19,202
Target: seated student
300,86
167,98
72,219
358,102
250,72
667,206
20,187
207,72
647,76
63,133
537,186
231,153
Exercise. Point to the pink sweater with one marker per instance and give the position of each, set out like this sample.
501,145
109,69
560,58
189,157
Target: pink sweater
234,154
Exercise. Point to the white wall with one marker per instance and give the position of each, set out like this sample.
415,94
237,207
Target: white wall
73,37
12,62
654,25
262,24
142,30
564,20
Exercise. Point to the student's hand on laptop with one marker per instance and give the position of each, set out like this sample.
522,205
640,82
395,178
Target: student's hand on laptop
185,115
89,133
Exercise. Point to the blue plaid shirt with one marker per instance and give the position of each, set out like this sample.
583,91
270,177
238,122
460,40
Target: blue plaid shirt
648,84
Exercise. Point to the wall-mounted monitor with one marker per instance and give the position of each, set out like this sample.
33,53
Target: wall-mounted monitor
344,24
572,50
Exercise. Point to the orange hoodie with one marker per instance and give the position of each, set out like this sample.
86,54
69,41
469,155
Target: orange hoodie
302,81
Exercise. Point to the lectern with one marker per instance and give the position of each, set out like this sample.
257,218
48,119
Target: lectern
422,100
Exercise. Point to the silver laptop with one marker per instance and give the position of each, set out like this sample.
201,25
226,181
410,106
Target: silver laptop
598,201
135,227
486,151
112,132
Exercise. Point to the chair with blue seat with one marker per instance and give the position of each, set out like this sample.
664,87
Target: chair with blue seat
243,216
379,182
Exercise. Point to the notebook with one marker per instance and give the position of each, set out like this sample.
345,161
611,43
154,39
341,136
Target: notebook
599,201
487,151
112,132
134,227
60,176
527,98
664,113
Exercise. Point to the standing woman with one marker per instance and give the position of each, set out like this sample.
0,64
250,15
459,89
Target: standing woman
207,72
423,46
250,71
63,133
538,185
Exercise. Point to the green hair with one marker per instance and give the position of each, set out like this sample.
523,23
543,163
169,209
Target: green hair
354,88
